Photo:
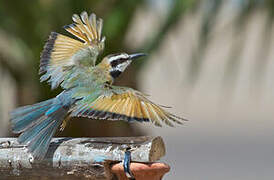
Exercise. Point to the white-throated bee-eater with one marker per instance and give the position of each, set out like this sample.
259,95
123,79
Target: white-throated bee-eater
88,90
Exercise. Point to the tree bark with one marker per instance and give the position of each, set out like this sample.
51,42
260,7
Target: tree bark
69,158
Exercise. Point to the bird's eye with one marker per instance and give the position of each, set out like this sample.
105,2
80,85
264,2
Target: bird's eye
114,63
117,62
122,60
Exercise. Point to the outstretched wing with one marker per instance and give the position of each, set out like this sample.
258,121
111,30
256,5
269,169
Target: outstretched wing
61,52
120,103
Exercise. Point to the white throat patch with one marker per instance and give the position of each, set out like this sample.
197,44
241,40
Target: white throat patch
121,67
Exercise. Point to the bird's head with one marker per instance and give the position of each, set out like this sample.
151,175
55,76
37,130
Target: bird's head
117,63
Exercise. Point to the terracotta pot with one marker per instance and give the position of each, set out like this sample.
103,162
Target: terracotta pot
141,171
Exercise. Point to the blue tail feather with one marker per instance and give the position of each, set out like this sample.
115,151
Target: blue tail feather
21,123
39,145
38,123
35,130
27,109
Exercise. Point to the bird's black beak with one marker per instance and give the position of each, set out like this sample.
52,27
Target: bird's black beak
136,55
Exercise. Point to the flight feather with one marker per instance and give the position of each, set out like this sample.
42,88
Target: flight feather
62,52
121,103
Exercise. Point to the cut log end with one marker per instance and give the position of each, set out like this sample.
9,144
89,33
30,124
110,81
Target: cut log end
157,149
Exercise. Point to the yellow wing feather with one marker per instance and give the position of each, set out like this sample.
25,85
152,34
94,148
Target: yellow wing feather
129,105
62,51
88,29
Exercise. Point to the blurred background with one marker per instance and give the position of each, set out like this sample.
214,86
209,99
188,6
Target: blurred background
211,60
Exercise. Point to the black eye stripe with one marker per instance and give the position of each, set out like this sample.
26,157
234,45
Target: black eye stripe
114,63
118,61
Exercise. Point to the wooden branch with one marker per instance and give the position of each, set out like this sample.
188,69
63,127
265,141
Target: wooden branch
76,157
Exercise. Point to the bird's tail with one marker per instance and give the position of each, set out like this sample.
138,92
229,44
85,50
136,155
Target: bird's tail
37,124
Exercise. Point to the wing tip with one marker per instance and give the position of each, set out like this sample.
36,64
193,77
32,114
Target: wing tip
46,53
176,120
89,28
69,26
178,117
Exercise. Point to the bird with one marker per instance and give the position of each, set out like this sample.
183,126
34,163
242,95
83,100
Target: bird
70,62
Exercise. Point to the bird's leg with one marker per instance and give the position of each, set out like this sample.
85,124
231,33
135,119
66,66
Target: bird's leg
64,123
